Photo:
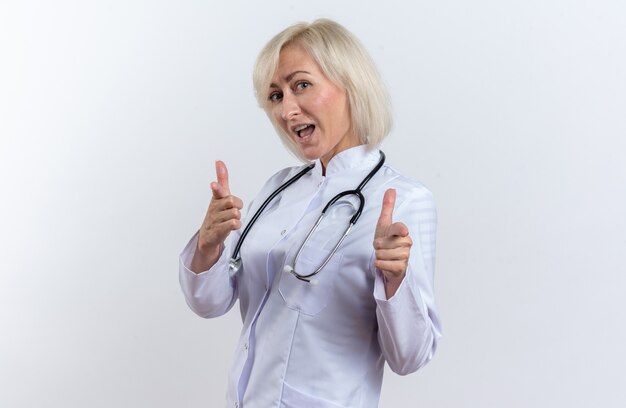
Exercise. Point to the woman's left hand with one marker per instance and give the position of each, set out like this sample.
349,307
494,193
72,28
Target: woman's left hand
392,244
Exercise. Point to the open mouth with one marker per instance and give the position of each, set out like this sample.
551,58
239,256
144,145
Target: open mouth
304,130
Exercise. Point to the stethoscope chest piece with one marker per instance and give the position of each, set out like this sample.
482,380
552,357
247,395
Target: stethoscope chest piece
233,266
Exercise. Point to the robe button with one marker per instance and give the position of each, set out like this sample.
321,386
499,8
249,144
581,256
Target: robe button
283,232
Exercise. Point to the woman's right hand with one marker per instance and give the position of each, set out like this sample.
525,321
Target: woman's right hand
222,217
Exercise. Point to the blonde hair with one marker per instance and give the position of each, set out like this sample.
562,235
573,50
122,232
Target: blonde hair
345,62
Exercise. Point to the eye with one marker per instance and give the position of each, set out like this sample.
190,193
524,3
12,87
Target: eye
274,97
300,85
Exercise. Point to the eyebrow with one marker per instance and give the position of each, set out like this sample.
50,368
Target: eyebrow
289,77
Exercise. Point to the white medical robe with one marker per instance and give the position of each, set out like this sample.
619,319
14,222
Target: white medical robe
322,345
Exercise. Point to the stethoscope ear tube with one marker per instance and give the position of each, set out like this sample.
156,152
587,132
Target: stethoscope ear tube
358,212
307,278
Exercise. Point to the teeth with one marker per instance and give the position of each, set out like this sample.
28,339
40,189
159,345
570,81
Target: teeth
301,127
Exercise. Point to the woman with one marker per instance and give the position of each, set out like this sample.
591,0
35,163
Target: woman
320,340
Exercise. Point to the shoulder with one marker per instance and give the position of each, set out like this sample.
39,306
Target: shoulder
283,175
409,191
279,178
415,205
272,184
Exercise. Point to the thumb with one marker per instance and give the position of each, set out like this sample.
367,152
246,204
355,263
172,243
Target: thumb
398,229
221,188
386,212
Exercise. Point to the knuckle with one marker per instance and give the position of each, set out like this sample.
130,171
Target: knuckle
378,243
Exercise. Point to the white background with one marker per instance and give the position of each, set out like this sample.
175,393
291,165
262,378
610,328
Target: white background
111,116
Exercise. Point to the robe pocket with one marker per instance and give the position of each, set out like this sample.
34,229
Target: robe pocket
307,297
293,398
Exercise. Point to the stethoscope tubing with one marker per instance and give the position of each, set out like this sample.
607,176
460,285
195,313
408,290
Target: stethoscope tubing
235,261
268,200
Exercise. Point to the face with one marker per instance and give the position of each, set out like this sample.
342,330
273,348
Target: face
310,109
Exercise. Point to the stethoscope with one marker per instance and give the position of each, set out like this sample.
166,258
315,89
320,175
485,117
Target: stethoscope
235,261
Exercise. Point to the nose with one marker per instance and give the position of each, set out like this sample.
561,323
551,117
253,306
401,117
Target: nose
290,107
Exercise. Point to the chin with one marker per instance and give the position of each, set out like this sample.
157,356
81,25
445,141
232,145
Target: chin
310,154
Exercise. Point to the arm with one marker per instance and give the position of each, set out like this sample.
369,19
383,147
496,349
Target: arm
203,266
204,274
212,292
407,319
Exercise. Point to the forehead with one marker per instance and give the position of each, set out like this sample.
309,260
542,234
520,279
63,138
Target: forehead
294,58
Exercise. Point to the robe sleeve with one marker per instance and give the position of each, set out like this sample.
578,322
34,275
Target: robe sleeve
213,292
408,325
